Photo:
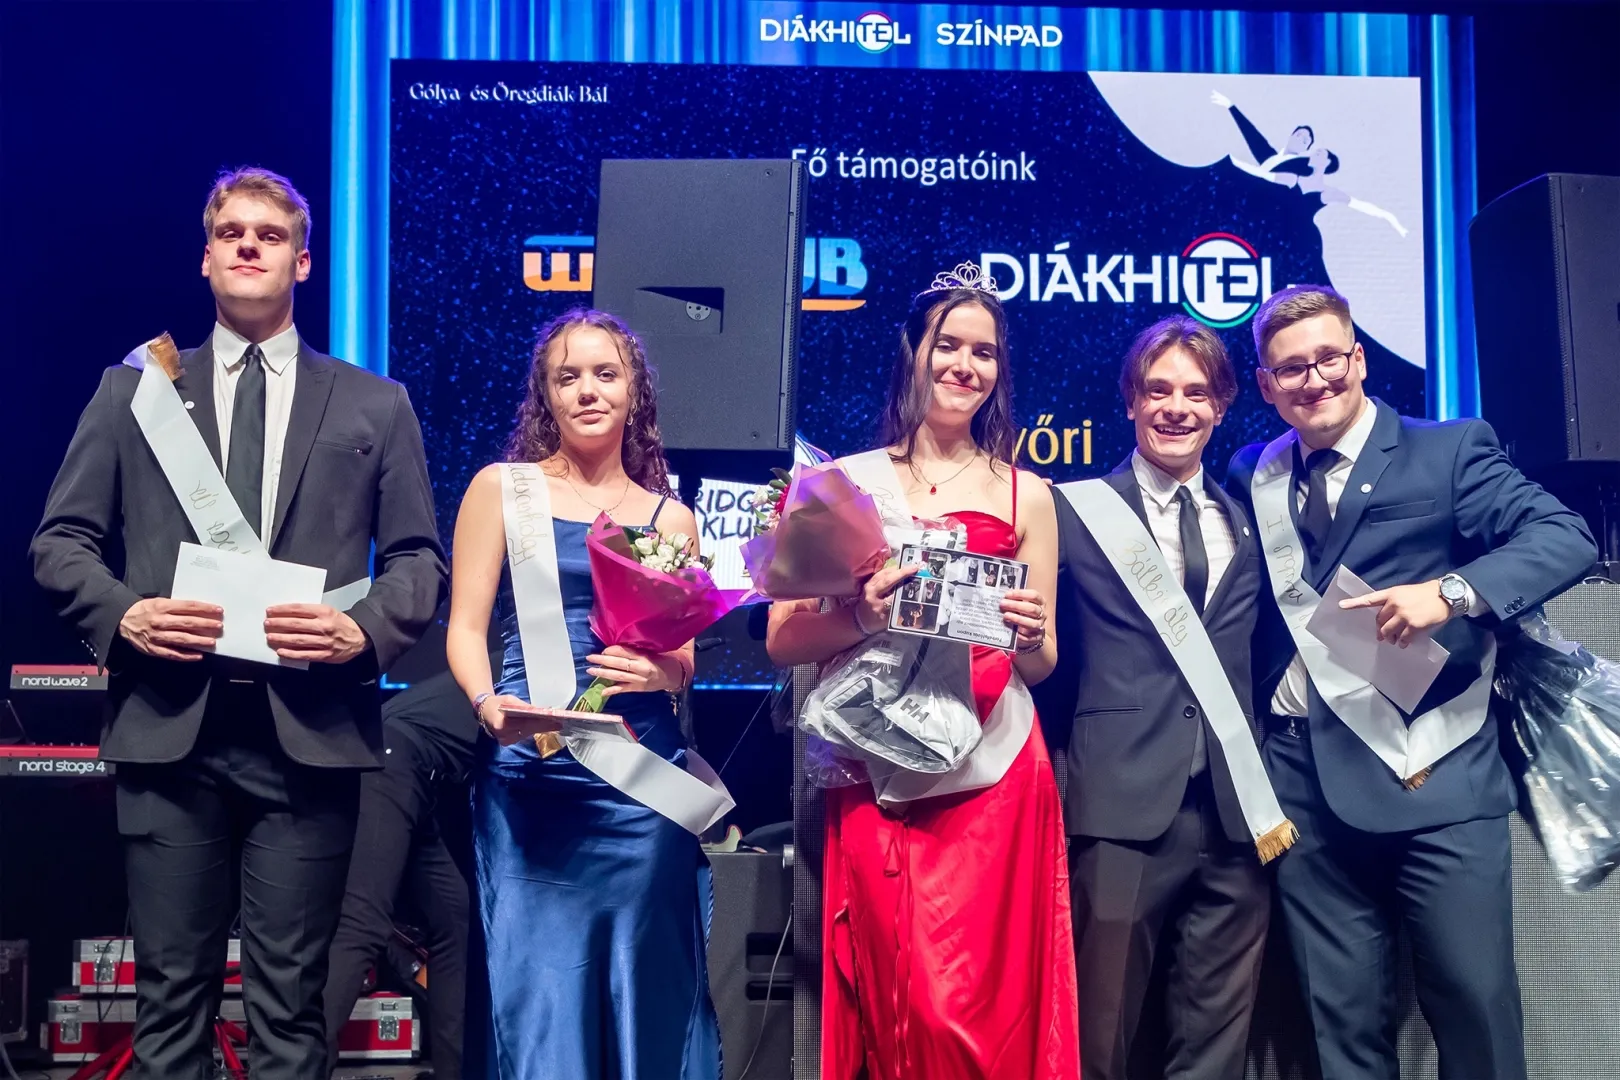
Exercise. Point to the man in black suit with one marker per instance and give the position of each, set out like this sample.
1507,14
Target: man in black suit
1402,815
239,781
1162,858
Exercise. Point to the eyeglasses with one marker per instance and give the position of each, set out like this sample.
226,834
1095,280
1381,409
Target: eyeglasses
1331,367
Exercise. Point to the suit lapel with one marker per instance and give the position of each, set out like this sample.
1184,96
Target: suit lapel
1123,480
310,395
1242,542
196,388
1358,489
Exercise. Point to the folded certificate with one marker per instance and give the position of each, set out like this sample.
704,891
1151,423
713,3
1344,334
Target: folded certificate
956,595
244,586
1351,637
535,720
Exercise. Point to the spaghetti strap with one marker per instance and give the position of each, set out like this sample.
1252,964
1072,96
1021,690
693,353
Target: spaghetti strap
1015,496
659,509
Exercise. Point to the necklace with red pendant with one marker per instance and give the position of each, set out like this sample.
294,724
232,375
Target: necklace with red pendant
933,488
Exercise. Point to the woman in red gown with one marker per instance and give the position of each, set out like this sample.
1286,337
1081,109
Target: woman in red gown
947,948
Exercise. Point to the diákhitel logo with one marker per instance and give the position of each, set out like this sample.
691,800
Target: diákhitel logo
1218,279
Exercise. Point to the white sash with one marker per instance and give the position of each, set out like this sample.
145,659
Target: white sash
1005,730
1409,750
189,468
694,798
1140,564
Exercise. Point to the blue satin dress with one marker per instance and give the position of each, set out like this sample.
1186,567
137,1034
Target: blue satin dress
595,909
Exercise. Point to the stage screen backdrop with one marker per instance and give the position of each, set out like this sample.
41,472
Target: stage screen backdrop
1098,201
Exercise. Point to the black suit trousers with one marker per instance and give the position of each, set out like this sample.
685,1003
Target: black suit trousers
398,844
235,821
1192,903
1346,894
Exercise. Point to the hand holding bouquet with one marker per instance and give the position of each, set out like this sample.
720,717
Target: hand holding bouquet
653,595
816,535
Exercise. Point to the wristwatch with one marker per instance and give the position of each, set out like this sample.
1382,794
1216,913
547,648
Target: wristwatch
1454,591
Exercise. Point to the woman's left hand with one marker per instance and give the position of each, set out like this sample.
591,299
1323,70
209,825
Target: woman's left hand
630,671
1025,611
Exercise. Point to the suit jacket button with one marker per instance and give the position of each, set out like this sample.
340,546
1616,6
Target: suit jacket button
1190,711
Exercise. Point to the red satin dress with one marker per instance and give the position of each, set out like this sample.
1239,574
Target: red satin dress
947,947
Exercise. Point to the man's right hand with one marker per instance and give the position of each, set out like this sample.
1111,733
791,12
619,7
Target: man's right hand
172,629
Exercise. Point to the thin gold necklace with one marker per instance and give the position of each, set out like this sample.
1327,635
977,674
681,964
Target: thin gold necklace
933,488
608,510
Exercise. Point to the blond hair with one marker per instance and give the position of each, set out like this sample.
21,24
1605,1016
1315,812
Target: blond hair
1202,343
1296,304
258,183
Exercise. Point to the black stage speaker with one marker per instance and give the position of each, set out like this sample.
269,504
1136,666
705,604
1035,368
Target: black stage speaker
1547,319
704,260
751,964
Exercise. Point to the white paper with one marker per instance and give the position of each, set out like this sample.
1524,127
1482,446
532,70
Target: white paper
1351,637
575,725
346,596
244,586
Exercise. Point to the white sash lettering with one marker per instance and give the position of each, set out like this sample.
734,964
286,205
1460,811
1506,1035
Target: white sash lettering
1408,750
1147,577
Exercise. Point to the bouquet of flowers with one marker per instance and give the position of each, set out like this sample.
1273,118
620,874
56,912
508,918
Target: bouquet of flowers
1563,705
652,593
816,535
769,500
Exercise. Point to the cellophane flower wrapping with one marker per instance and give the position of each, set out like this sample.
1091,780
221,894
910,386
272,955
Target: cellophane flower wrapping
894,701
1563,705
644,608
826,540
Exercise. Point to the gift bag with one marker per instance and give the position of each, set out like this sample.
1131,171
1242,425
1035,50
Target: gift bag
1563,707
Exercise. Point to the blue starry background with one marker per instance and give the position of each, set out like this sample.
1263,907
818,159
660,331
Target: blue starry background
471,180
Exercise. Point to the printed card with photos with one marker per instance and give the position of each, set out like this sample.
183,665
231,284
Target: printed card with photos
956,595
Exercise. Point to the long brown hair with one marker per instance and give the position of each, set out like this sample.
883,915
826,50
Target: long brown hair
536,437
909,397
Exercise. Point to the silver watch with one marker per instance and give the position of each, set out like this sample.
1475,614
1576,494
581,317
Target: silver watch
1454,591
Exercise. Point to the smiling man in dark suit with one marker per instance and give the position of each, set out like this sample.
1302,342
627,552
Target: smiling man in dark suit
239,781
1402,815
1167,801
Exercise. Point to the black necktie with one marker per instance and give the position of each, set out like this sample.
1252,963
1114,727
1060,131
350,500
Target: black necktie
1316,518
1195,578
244,468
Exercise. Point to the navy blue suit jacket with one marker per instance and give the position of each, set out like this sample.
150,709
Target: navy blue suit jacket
1425,499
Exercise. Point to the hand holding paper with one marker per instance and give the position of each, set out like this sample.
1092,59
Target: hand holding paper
172,629
1404,611
244,587
1351,634
527,721
315,633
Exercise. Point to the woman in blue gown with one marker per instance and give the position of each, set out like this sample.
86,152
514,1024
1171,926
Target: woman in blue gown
594,907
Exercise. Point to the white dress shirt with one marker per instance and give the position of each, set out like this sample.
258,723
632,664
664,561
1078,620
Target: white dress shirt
1290,697
280,370
1164,520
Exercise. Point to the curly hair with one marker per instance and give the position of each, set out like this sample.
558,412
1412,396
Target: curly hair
535,437
910,396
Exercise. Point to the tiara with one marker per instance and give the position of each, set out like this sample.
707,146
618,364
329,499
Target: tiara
967,275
